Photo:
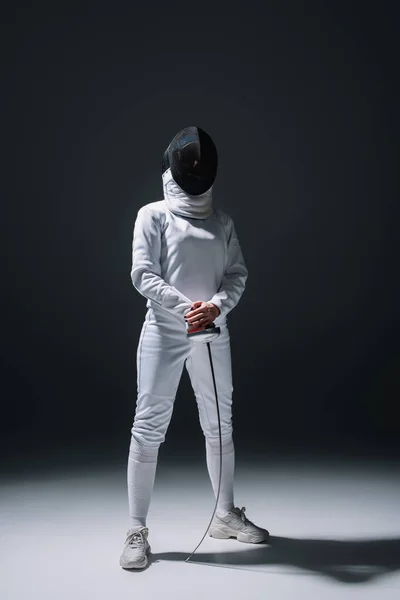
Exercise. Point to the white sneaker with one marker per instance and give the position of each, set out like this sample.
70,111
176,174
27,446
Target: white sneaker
136,550
235,524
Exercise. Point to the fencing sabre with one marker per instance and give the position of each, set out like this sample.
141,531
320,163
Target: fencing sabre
207,336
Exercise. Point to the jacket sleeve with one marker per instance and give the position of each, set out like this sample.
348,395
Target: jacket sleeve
146,268
235,277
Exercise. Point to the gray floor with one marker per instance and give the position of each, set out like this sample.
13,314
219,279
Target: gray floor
335,534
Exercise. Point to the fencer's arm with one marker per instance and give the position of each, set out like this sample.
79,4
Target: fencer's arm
234,281
146,269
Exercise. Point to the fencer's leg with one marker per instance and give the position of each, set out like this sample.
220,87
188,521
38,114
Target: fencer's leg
161,355
226,497
142,464
199,369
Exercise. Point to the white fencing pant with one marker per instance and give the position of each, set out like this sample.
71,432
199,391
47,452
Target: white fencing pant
162,352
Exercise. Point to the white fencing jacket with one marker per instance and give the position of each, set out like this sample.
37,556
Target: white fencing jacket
179,257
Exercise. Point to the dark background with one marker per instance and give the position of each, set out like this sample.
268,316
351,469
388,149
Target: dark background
300,99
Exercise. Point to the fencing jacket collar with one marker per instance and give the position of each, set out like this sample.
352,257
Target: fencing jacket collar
184,205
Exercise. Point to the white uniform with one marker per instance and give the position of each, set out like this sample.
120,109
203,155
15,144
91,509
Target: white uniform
177,260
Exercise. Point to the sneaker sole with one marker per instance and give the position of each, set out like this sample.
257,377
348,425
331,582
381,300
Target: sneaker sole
224,533
134,565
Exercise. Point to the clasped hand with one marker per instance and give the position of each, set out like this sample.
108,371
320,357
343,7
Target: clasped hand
202,314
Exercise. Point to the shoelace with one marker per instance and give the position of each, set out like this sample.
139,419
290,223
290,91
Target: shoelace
244,518
135,539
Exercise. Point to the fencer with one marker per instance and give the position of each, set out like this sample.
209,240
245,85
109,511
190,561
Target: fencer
187,262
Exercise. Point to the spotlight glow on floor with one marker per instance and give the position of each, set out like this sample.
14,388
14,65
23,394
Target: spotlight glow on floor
335,533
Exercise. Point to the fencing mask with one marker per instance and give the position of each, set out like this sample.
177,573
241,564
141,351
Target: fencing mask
193,160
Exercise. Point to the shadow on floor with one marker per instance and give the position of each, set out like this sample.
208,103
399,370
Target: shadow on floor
346,561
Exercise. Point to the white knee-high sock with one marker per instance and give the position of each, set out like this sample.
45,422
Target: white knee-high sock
225,501
142,464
